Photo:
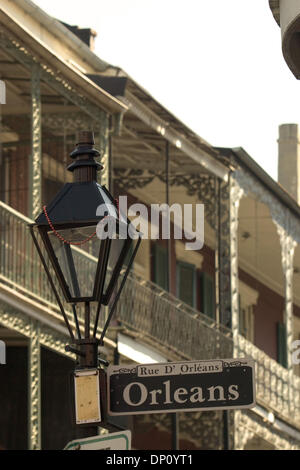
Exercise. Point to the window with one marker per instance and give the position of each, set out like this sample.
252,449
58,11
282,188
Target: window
160,272
246,322
248,298
186,283
207,291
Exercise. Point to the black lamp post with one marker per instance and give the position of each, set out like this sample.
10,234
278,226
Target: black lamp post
87,251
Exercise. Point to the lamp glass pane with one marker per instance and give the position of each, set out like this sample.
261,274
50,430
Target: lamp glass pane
78,258
120,245
115,251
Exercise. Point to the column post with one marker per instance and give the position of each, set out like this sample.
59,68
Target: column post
34,388
288,244
105,150
229,196
35,159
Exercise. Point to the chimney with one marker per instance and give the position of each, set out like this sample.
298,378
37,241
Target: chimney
87,35
289,159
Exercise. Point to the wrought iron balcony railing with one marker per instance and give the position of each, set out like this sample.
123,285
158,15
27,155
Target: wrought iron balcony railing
167,321
150,311
276,387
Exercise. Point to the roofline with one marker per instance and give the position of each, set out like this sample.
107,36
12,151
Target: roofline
106,101
62,32
245,159
198,154
163,122
202,141
205,155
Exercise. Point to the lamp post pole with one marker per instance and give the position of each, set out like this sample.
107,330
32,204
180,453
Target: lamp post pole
174,416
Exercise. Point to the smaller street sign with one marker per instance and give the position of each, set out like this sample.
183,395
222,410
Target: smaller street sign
114,441
87,396
181,386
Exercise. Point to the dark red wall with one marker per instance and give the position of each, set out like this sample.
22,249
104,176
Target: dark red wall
268,312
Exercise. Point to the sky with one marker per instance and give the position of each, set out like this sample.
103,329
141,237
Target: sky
216,65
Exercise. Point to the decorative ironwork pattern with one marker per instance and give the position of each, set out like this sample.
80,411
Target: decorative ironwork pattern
132,179
14,48
35,164
279,212
199,185
34,402
288,228
172,324
14,320
19,322
236,194
104,149
276,388
250,426
228,198
68,121
223,246
288,246
53,340
203,429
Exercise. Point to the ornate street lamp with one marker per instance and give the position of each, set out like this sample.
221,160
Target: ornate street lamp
88,244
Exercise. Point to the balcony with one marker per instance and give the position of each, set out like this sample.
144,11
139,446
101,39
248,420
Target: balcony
150,312
171,324
276,387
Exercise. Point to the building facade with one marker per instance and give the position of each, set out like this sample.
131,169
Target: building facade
237,296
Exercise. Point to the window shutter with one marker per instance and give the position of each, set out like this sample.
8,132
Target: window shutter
281,344
186,282
160,266
207,295
241,319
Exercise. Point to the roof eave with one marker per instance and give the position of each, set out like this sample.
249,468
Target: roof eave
99,96
244,158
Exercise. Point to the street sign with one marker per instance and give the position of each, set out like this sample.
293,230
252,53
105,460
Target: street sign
114,441
181,386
